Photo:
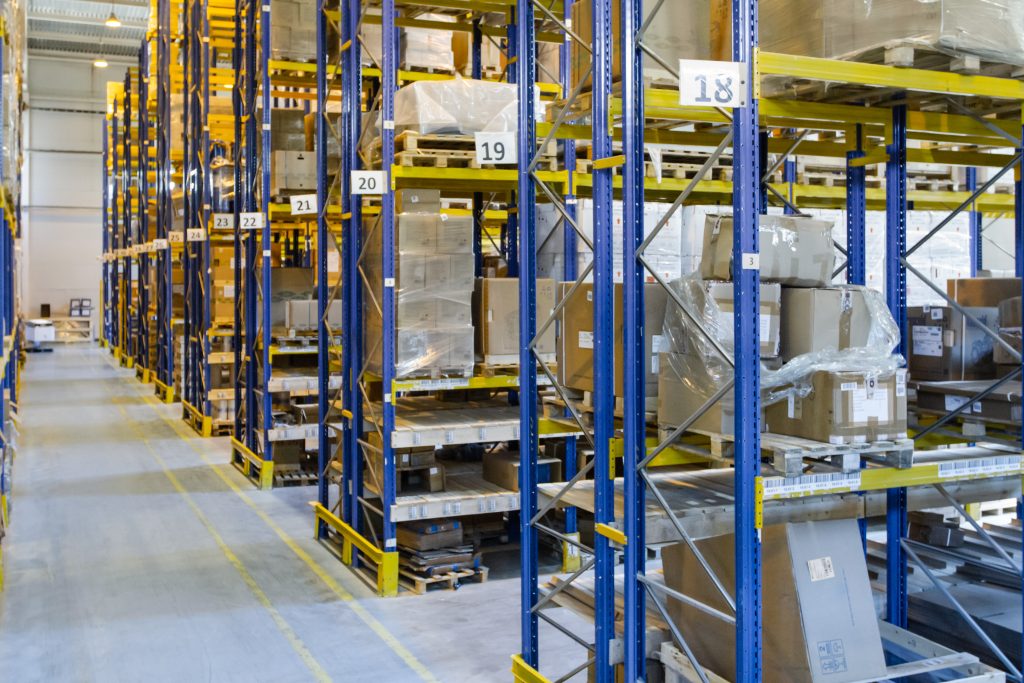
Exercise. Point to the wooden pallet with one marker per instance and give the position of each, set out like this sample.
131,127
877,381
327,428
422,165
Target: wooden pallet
294,478
450,581
507,364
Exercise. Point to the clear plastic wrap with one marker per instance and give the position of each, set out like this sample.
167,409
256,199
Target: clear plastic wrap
433,295
457,106
427,49
293,30
696,361
990,29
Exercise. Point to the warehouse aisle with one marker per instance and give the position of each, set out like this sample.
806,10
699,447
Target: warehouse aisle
136,551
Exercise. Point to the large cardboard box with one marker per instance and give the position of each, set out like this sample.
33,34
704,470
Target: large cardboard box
576,348
769,315
501,468
682,392
496,319
292,171
287,130
818,319
819,617
794,250
430,534
944,345
844,408
983,291
1009,331
1002,405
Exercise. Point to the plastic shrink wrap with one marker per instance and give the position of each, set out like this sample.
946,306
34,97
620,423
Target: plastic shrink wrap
459,106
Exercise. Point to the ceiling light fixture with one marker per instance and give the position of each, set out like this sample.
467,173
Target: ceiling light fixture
100,63
112,21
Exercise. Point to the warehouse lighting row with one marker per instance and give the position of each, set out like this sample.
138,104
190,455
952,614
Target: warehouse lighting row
112,22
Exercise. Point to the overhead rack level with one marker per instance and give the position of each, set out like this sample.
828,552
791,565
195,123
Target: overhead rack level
864,117
276,344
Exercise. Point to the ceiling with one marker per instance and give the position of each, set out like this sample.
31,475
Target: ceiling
75,28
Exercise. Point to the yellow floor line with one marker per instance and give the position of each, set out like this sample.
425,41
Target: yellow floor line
376,626
286,630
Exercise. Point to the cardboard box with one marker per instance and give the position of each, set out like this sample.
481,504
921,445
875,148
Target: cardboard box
983,291
288,130
1009,331
408,478
794,250
682,393
818,319
844,408
422,352
769,315
289,285
944,345
430,534
501,468
496,318
576,348
416,200
1002,405
819,615
292,171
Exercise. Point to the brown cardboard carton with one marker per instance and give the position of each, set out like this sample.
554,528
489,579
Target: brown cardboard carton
501,468
944,345
1002,405
844,408
794,250
983,291
819,319
681,393
292,171
576,349
769,316
496,312
430,535
416,200
819,618
1009,331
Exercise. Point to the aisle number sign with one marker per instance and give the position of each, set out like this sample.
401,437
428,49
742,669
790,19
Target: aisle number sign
496,148
705,83
175,237
224,221
303,204
251,220
195,235
367,182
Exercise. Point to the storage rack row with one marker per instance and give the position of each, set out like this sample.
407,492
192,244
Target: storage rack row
12,69
381,411
632,503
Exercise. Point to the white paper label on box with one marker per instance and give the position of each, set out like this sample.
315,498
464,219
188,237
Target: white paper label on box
655,364
367,182
496,148
864,408
229,291
794,407
936,314
586,340
927,340
303,204
251,220
848,386
704,83
821,568
949,338
224,221
901,382
333,261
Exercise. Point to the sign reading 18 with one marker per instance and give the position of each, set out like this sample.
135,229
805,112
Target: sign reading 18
723,89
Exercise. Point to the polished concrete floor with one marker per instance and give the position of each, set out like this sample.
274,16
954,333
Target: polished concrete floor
137,552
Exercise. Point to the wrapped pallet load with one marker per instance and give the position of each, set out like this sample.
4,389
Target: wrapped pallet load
828,372
459,106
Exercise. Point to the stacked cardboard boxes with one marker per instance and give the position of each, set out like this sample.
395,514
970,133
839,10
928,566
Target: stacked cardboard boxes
1010,332
434,283
293,30
292,166
496,320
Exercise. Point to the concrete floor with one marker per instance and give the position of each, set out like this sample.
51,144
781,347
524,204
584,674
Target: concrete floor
136,551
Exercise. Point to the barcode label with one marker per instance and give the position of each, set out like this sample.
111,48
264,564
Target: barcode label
783,487
998,464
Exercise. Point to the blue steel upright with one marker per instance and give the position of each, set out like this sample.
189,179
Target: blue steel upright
143,220
975,223
634,359
323,363
896,298
746,293
604,342
525,71
164,202
856,214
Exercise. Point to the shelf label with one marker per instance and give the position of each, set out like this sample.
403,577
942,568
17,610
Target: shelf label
810,484
999,464
303,204
252,220
367,182
705,83
496,148
195,235
160,244
223,221
175,237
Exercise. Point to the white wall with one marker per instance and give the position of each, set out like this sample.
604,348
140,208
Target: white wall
62,222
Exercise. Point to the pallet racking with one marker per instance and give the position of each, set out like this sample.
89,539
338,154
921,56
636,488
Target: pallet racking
361,517
648,515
